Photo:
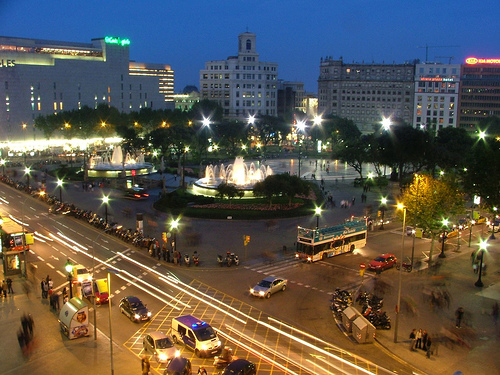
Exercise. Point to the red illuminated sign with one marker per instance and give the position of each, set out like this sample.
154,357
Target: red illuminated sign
475,60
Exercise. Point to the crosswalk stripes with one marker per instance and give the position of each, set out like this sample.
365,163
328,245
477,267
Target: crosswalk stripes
275,267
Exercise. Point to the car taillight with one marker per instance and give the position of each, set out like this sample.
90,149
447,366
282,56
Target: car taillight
146,195
137,195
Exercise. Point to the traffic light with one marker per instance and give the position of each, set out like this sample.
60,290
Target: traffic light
246,240
164,236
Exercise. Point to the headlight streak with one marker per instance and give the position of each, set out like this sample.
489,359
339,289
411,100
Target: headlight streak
324,369
305,343
39,235
121,271
180,287
258,354
4,201
20,222
72,241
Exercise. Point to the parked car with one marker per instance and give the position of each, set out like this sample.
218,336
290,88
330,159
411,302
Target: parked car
268,286
383,262
136,193
160,346
240,367
494,224
178,366
80,273
134,309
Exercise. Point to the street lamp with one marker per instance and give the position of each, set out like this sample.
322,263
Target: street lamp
174,224
317,212
27,171
60,184
186,150
383,202
445,235
69,269
401,207
105,200
493,222
481,251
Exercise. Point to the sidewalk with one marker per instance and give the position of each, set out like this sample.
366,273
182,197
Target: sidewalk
53,352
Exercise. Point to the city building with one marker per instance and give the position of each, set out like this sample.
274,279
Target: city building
290,98
366,93
42,77
436,95
479,91
185,100
242,85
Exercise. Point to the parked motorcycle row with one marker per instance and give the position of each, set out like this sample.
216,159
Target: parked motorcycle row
371,307
228,260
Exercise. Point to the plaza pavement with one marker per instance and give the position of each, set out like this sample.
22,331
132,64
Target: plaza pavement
480,335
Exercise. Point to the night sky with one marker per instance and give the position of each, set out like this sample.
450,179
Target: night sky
295,34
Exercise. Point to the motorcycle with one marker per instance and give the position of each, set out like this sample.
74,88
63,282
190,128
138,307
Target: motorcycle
232,258
220,260
196,259
225,358
407,266
187,260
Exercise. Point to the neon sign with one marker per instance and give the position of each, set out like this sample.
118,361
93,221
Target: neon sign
116,40
475,60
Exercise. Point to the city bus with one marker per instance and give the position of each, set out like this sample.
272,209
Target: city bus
321,243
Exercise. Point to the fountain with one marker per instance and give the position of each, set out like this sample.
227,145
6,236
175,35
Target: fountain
241,175
118,166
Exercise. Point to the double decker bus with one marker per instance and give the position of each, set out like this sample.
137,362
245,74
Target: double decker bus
321,243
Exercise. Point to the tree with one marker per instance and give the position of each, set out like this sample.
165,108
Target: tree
230,191
354,152
428,201
292,186
270,187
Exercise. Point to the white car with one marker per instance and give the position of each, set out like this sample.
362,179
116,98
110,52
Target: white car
160,346
268,286
80,273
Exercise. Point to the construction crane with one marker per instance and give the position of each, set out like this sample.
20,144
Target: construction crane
427,49
445,57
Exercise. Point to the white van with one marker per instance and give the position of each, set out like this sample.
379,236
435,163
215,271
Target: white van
197,335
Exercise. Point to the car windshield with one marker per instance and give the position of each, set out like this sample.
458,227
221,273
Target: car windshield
265,284
81,271
164,343
137,305
205,334
380,259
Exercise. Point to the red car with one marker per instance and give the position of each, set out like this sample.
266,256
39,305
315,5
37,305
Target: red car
383,262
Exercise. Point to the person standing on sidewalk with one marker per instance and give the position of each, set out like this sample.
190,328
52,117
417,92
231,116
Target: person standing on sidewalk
145,365
413,336
459,314
428,345
11,291
418,337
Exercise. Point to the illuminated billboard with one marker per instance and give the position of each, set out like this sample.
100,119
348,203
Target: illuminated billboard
477,60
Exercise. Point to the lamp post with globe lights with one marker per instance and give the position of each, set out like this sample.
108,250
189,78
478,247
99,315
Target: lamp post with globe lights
317,212
383,203
60,183
174,225
400,207
69,269
480,253
445,234
105,201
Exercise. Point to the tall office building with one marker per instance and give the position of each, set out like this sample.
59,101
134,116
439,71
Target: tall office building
479,91
42,77
242,85
366,93
436,95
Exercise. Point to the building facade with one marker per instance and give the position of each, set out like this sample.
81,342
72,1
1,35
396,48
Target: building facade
41,77
242,85
290,98
366,93
479,91
436,95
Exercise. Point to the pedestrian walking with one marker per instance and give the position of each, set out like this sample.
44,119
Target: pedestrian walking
428,345
413,337
459,314
4,288
418,337
168,256
494,313
175,256
145,365
9,286
45,289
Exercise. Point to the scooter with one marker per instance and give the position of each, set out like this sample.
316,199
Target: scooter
196,259
235,259
187,260
224,359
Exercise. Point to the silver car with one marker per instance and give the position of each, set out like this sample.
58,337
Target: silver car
160,346
268,286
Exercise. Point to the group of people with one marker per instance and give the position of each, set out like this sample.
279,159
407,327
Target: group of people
6,288
421,340
168,255
25,333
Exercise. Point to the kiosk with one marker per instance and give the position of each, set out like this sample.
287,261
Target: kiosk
74,318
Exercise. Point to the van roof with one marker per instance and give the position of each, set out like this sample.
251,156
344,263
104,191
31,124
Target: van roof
191,321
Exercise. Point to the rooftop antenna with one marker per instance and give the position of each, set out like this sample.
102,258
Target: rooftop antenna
427,49
445,57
